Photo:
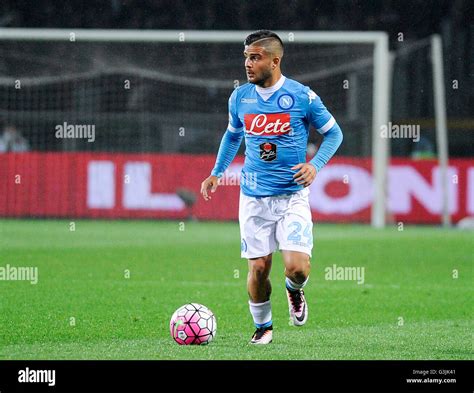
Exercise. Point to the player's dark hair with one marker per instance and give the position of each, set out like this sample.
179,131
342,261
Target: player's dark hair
261,34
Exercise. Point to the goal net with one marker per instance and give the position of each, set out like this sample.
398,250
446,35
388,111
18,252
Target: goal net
167,91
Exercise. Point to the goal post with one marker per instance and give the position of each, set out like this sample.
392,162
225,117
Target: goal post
441,123
379,63
381,116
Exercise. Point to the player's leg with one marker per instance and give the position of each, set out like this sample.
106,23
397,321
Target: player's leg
258,279
260,289
295,238
297,268
258,242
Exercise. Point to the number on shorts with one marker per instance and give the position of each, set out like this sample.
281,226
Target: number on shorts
295,235
308,234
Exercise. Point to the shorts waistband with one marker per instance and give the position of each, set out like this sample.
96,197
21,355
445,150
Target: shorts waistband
276,196
285,195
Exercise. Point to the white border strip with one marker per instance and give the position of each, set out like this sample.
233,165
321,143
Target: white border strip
329,124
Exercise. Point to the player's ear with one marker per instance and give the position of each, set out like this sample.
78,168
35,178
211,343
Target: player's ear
275,62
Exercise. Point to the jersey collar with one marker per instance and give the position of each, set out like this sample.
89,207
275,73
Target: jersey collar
266,92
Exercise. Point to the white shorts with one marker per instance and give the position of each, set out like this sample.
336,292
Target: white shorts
278,222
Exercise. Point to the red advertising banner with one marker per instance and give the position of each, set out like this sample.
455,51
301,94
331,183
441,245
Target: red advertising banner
102,185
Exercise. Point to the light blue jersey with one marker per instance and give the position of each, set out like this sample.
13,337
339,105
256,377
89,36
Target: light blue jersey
275,122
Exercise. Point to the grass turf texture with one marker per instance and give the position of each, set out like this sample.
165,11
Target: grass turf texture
410,306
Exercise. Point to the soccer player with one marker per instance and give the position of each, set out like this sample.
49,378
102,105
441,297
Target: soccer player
274,114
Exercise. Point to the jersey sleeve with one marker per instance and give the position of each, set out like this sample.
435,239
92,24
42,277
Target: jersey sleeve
235,125
231,139
317,114
331,142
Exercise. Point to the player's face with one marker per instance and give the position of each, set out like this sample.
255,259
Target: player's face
258,64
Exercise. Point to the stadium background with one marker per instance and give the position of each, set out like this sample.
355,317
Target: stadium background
107,287
175,103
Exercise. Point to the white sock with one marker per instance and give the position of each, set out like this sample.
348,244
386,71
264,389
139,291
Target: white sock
293,286
261,313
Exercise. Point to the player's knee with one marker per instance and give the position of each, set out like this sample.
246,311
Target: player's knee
260,267
298,267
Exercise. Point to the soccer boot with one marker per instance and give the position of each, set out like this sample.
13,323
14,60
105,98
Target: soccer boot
262,335
297,306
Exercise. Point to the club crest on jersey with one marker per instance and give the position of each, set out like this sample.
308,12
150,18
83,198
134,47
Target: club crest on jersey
268,151
286,101
267,124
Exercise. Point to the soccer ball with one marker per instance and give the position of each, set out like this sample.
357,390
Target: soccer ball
193,324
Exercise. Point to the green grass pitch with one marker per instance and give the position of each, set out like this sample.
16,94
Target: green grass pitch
411,305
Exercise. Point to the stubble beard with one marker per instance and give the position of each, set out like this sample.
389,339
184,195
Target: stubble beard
267,74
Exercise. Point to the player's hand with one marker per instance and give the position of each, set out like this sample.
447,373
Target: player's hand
305,175
210,183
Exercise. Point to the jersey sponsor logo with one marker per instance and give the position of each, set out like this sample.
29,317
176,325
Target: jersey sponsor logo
268,124
286,101
268,151
248,100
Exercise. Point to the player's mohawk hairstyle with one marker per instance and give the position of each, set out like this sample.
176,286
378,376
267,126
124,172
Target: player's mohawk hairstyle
260,35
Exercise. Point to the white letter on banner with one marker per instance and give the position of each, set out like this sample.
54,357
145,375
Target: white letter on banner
101,185
137,193
358,198
405,182
470,191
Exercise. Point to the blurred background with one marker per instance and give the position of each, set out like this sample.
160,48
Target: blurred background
166,98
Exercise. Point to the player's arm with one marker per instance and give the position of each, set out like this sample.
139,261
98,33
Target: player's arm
326,125
228,148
